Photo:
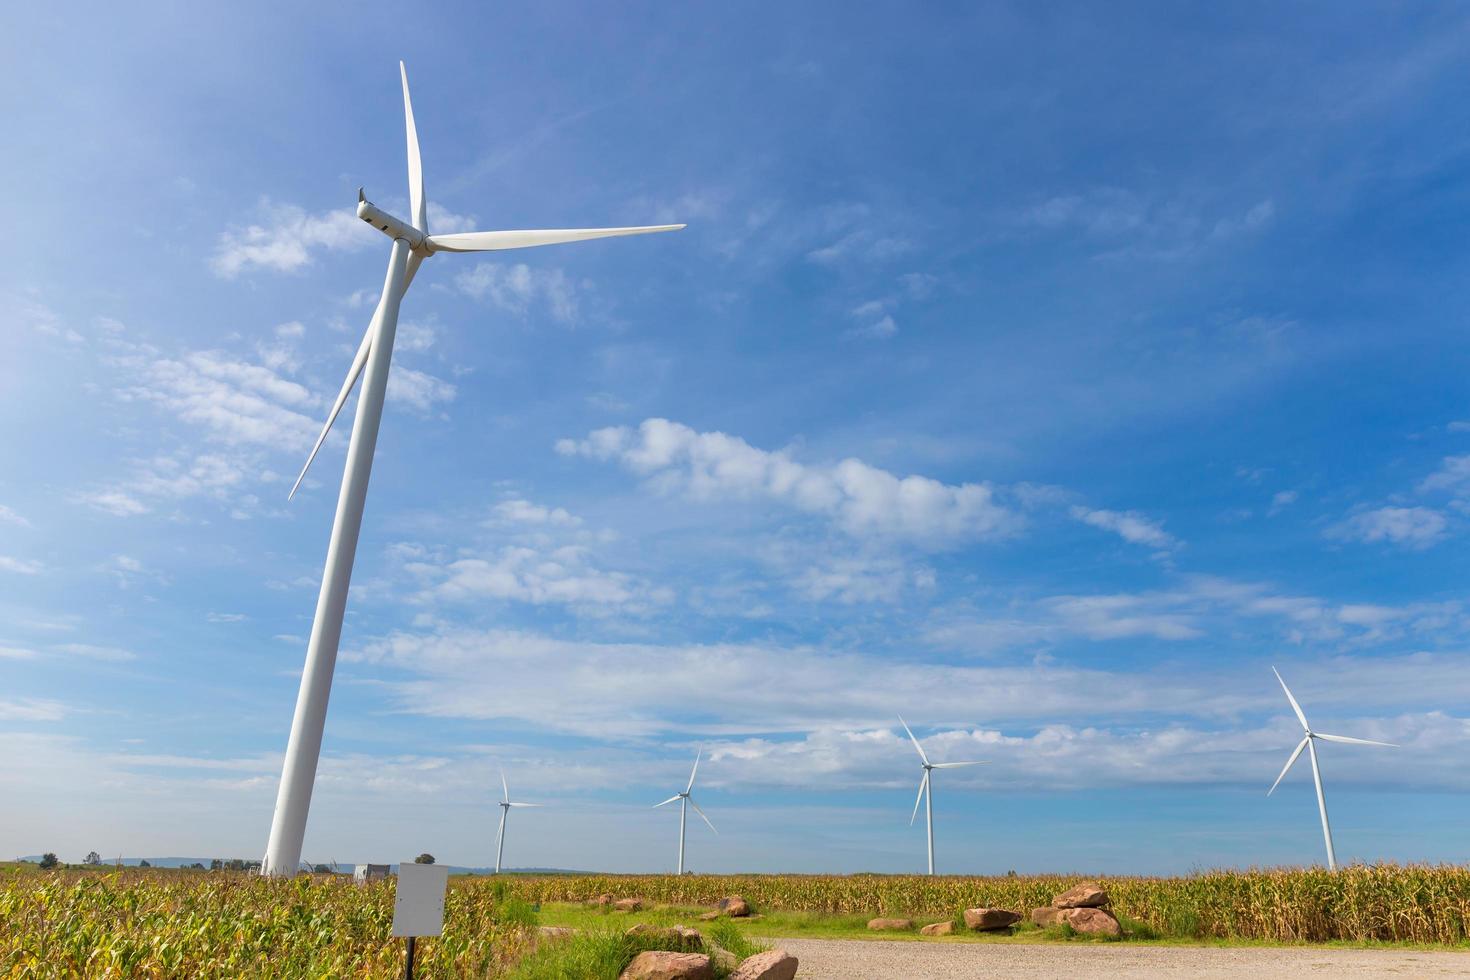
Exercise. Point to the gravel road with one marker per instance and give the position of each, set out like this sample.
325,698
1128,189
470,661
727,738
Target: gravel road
846,959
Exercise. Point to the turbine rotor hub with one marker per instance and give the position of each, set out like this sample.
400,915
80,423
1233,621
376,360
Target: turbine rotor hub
389,225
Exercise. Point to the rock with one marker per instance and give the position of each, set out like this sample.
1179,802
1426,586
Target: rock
710,916
1093,922
773,964
984,920
890,925
554,933
659,965
603,899
671,937
1088,895
938,929
1048,916
734,906
627,905
721,957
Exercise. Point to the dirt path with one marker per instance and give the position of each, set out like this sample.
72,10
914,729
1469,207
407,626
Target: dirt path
846,959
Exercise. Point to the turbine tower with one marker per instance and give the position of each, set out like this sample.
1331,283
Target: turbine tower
926,791
686,801
1308,743
412,244
505,806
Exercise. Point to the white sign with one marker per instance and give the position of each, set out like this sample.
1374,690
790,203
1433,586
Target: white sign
418,906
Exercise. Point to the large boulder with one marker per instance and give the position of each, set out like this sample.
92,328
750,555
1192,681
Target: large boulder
603,899
627,905
1088,895
1048,916
734,906
890,925
986,920
773,964
938,929
1093,922
710,916
659,965
554,933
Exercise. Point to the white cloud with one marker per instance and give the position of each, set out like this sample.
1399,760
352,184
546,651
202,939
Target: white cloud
16,653
1128,525
559,576
94,651
524,512
880,329
519,288
114,502
863,500
31,709
860,579
418,390
219,617
19,566
1112,617
286,239
238,402
8,516
1282,500
861,245
1409,527
1453,475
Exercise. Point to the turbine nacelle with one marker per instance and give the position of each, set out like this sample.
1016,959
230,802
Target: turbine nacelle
390,225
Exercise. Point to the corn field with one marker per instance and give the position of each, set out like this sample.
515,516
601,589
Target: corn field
1380,903
165,924
225,925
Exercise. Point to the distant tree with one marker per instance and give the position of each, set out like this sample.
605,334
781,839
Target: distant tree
321,869
216,865
197,866
48,860
144,863
93,858
425,858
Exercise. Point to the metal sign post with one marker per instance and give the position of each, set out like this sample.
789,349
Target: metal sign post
418,905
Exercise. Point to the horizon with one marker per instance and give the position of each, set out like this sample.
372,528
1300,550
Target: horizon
1044,377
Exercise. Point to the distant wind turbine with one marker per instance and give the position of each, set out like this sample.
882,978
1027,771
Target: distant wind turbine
1307,743
505,806
412,244
686,801
926,791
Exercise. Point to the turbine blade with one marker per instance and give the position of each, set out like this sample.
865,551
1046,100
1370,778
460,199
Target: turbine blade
923,785
702,816
528,804
352,375
415,165
1294,706
1289,762
672,799
697,756
957,765
914,740
1353,741
501,832
414,261
504,785
494,241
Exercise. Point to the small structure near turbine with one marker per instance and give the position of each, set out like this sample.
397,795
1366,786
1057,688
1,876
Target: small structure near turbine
412,244
926,790
1308,743
505,806
367,873
686,801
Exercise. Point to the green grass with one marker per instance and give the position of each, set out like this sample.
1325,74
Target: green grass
601,949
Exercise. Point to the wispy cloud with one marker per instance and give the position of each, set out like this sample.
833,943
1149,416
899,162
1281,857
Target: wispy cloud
1128,525
286,238
1408,527
20,566
862,500
520,289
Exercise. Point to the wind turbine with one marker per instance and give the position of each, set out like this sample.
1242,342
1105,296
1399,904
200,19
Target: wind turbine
686,801
505,806
926,791
1307,743
412,244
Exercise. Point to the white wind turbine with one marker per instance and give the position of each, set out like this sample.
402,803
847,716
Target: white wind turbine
686,801
412,243
926,790
1307,742
505,806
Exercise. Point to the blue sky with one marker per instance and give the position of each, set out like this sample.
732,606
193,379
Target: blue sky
1045,376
